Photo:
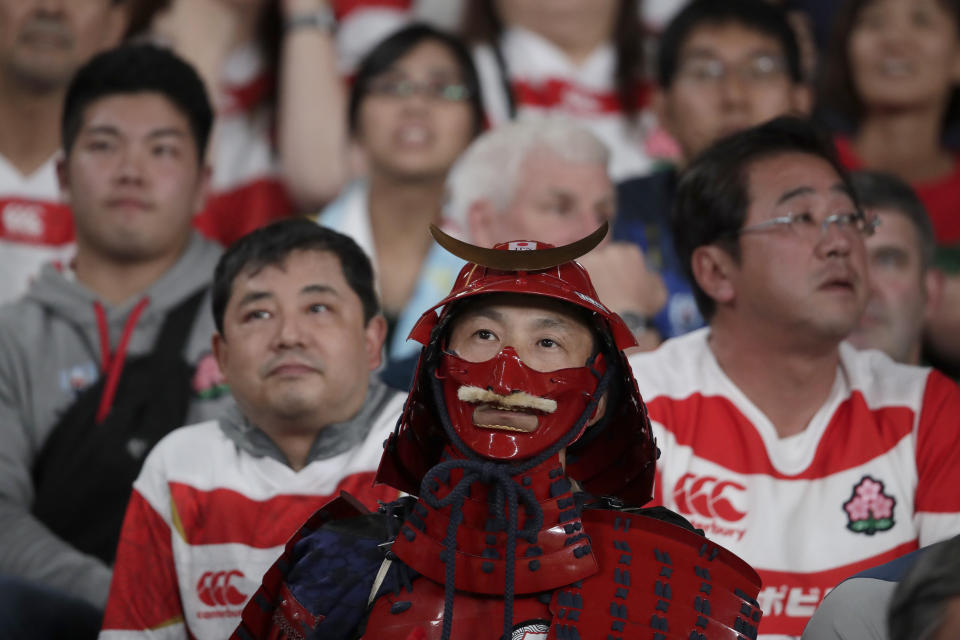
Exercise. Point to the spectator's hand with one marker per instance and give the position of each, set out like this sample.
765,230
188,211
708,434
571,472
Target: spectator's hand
623,282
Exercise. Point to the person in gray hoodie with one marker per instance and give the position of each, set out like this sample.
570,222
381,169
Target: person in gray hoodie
135,127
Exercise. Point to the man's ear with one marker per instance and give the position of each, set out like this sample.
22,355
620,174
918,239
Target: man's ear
203,189
219,346
933,282
713,269
374,335
599,411
481,222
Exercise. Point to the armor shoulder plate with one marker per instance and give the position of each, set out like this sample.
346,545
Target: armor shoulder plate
657,580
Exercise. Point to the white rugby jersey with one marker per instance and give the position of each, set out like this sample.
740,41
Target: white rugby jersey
207,519
36,227
544,79
873,476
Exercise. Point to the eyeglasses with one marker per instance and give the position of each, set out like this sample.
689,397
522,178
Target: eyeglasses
804,225
756,69
403,88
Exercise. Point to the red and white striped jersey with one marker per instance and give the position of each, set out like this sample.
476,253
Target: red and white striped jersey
873,476
36,227
544,80
207,519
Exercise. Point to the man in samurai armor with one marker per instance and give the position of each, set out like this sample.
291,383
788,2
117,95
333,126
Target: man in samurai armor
527,454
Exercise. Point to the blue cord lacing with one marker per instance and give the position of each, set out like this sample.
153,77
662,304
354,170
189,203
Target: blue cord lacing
505,491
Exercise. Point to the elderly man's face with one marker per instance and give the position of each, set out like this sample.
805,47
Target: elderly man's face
893,321
295,348
555,201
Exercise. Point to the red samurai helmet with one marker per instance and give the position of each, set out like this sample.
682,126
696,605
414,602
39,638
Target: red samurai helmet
614,457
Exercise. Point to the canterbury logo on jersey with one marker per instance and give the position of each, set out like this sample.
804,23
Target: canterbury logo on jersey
23,218
708,497
35,222
216,588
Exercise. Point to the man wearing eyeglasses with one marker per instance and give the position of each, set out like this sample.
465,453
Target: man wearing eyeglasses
721,67
810,459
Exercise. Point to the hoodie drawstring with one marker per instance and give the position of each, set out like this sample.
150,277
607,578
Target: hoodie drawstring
113,365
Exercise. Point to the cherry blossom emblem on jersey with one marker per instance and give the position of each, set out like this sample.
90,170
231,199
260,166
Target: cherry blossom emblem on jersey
869,510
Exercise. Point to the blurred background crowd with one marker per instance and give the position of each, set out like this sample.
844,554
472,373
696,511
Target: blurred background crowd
501,120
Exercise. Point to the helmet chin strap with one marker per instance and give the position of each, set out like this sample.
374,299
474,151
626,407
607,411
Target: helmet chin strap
506,494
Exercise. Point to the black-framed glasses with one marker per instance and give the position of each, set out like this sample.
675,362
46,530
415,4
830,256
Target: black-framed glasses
445,91
756,69
806,226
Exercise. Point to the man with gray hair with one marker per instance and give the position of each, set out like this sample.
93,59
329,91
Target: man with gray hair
546,179
904,288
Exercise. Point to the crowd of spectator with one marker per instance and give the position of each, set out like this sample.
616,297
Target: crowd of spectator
233,197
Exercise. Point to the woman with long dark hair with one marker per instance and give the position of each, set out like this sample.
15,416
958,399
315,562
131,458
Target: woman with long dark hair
414,106
892,74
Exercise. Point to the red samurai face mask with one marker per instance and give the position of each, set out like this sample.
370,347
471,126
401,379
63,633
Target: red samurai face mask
504,407
504,410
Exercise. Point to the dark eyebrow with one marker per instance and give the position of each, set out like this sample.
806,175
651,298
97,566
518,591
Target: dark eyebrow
709,52
794,193
805,191
109,129
169,131
254,296
487,312
102,129
551,322
320,288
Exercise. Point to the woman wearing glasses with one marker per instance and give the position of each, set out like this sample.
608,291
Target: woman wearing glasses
414,107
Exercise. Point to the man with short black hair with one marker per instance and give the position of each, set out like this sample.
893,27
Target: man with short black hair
905,287
721,67
299,333
104,356
809,458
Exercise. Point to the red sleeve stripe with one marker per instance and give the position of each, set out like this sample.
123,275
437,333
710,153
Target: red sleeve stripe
938,447
144,550
224,516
